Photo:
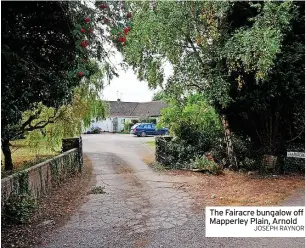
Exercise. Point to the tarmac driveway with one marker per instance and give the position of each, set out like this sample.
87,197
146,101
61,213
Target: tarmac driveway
140,208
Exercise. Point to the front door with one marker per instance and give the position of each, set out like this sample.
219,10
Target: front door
115,124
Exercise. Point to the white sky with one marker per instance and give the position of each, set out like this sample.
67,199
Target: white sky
127,87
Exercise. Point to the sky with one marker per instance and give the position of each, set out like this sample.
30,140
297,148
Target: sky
127,87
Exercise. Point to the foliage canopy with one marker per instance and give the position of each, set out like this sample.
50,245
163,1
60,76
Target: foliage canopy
245,58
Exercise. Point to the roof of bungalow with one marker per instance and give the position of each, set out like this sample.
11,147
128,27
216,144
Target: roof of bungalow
135,109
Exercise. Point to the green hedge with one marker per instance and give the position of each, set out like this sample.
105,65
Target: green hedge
175,153
149,120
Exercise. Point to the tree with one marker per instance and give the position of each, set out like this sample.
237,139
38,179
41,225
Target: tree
243,57
158,96
46,49
192,113
70,119
37,51
196,127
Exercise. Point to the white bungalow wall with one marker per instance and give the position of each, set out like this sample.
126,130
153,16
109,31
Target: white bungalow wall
107,124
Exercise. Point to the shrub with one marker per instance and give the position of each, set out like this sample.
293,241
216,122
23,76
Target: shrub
202,162
176,153
127,126
19,208
196,127
148,120
247,156
193,142
153,120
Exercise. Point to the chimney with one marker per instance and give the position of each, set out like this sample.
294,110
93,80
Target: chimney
118,99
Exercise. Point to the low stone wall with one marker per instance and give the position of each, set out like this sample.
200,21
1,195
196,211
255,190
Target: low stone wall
39,179
70,143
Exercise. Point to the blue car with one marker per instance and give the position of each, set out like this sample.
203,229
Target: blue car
144,129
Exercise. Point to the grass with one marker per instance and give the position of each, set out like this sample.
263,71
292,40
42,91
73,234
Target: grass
148,159
151,144
24,156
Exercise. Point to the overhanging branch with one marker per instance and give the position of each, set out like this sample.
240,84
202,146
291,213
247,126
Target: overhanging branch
296,136
195,50
31,128
30,119
28,126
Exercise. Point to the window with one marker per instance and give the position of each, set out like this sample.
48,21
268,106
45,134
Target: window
123,121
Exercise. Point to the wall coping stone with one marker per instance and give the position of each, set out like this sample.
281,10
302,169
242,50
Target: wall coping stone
37,165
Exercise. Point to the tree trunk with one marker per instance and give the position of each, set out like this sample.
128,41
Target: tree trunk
8,163
228,139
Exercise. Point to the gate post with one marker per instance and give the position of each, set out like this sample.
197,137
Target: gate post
70,143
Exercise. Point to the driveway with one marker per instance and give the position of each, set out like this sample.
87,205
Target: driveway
140,207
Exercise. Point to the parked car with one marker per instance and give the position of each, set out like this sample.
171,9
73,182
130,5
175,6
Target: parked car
94,130
144,129
132,129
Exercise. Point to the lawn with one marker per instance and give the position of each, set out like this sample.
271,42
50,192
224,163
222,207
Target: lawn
151,144
23,156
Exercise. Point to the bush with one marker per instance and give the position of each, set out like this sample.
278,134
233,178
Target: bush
149,120
127,126
196,127
19,208
193,142
204,163
153,121
176,153
247,156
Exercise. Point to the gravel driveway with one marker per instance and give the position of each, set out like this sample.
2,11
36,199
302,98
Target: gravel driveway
140,208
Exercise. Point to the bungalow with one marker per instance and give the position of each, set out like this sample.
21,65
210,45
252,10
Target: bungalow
121,112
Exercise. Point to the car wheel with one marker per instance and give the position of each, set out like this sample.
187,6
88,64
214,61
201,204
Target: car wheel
143,134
